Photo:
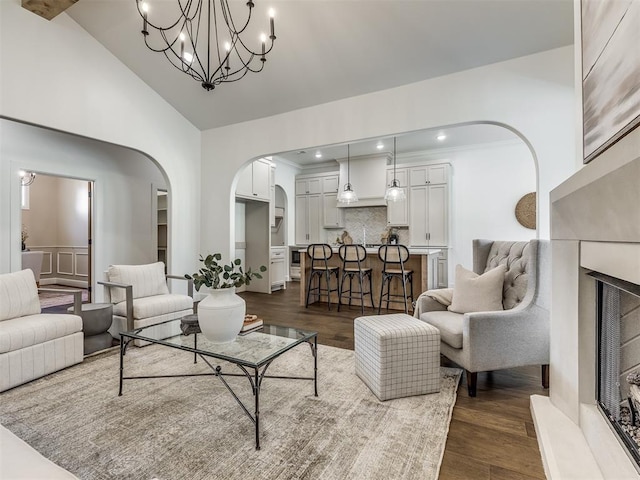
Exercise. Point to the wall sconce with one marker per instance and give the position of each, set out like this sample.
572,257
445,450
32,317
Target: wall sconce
26,178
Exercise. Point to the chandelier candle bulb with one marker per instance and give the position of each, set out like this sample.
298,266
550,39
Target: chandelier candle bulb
272,14
145,9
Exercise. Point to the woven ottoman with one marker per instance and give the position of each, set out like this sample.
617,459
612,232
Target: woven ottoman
397,355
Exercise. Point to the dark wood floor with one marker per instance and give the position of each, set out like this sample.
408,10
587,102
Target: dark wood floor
491,436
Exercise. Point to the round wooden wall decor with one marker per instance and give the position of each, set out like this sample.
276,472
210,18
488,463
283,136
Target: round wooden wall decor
526,211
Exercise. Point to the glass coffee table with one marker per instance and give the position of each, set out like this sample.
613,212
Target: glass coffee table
252,353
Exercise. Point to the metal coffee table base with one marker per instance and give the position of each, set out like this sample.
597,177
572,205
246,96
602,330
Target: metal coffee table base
254,375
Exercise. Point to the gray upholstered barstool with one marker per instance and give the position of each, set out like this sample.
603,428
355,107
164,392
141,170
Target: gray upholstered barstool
394,258
352,257
319,254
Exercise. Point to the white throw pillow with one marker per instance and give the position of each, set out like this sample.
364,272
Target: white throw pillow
478,293
147,280
18,295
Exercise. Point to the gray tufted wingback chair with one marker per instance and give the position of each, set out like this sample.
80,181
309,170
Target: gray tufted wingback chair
513,337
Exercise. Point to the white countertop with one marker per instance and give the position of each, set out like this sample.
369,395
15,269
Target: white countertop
374,250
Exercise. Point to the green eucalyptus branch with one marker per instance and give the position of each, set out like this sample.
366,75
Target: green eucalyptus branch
216,275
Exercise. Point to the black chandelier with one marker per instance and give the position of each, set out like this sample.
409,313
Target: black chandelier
205,42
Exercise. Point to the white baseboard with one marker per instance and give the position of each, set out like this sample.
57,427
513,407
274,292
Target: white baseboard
67,282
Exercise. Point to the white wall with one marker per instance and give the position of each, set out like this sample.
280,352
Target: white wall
123,188
55,74
532,95
486,184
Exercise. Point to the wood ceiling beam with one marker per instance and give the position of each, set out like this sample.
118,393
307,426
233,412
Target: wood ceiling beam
47,8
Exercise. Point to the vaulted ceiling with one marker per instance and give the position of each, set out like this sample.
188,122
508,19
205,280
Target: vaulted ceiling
328,50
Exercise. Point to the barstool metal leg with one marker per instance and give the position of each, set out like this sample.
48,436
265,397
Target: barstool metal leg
371,289
309,288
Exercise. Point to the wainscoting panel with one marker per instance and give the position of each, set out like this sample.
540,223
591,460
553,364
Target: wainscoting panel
81,267
47,263
64,265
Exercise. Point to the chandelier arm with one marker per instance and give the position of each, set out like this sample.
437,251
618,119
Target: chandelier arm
251,51
183,10
191,72
177,61
228,18
219,80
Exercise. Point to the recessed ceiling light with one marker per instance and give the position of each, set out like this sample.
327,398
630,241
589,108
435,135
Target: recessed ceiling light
380,146
441,137
318,155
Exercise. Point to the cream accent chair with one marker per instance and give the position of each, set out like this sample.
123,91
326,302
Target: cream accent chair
34,344
513,337
140,298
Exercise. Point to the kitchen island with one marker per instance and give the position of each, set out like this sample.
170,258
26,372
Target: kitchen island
423,262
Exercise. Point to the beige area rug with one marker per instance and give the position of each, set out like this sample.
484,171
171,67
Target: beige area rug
191,428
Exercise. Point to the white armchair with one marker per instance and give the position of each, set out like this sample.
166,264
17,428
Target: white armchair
494,340
141,297
34,344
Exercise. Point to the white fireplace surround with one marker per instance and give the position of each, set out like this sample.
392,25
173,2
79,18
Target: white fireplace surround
595,225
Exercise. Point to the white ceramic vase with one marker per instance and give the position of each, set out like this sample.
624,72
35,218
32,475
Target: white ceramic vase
221,314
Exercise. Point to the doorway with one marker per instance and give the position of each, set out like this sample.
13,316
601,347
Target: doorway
57,235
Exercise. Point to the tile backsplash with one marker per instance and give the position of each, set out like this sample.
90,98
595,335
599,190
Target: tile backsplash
365,221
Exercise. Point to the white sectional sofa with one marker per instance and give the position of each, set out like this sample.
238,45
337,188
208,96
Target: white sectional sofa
33,344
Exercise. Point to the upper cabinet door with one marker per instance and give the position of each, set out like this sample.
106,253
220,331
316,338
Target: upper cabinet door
262,180
429,175
401,176
255,181
418,176
330,184
245,182
438,174
308,186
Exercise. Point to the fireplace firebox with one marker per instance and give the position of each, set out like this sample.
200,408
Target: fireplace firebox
618,368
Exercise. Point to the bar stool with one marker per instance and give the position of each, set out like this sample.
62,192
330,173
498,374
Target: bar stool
320,253
352,257
394,258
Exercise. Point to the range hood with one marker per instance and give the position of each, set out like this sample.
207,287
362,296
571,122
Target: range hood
368,175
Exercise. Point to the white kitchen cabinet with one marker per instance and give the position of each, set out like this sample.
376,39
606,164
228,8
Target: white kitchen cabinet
255,182
308,219
429,216
330,184
306,186
333,217
398,212
443,270
277,271
272,196
429,174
